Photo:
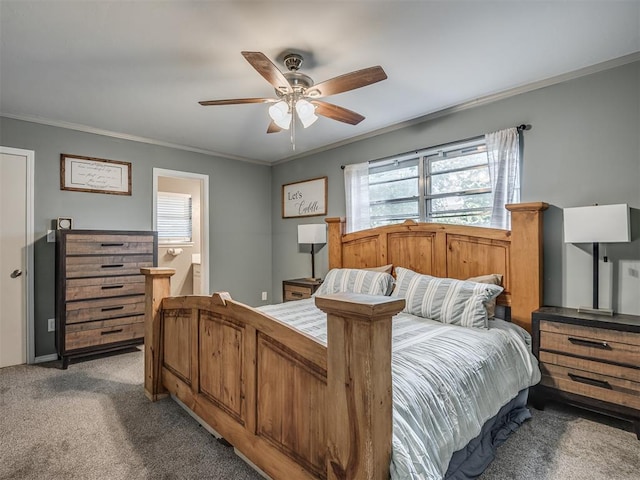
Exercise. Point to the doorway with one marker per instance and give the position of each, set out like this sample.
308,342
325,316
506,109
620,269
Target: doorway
189,258
16,256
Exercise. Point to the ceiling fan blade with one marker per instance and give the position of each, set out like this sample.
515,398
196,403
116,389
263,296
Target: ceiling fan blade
348,81
268,70
235,101
335,112
273,128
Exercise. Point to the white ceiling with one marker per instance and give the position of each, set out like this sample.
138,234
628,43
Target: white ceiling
140,68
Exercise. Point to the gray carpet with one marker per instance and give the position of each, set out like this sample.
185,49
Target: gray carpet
93,421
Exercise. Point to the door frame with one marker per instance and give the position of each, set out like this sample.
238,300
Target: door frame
30,158
204,213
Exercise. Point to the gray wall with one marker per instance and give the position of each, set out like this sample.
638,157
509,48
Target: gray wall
240,226
583,148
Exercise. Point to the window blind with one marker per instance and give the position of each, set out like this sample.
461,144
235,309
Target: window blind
174,217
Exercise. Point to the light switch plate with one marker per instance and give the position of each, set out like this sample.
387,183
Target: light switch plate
51,236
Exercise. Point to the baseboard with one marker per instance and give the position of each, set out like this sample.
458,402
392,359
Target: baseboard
46,358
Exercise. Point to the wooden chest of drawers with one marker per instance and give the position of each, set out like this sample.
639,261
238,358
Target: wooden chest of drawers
589,360
299,288
99,290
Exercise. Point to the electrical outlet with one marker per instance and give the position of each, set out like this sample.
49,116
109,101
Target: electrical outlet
51,236
51,325
264,295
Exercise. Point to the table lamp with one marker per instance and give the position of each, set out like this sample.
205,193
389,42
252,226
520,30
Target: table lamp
312,234
597,224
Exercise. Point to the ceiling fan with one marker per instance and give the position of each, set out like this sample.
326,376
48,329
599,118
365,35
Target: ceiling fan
297,95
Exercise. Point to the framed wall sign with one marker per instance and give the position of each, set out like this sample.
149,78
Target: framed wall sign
97,175
305,199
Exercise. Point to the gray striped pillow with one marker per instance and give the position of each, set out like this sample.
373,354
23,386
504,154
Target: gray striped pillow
352,280
445,300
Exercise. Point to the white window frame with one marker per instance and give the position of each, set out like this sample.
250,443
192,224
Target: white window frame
424,198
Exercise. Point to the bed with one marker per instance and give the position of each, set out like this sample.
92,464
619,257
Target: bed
306,407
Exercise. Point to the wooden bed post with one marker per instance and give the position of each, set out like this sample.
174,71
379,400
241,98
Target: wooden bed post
359,417
157,287
334,239
526,260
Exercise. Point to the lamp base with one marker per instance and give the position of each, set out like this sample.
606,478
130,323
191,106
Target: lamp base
597,311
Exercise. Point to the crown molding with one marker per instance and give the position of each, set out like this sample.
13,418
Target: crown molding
125,136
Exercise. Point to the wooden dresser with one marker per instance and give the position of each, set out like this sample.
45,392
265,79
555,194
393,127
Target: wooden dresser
299,288
99,290
588,360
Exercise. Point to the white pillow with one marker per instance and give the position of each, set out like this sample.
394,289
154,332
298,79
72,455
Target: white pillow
352,280
445,300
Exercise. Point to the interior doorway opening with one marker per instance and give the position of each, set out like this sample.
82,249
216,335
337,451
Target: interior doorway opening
189,257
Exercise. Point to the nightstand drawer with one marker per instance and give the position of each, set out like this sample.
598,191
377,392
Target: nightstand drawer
296,292
590,384
299,288
595,343
585,365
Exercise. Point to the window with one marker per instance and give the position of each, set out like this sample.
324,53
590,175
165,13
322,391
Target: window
467,182
448,184
174,217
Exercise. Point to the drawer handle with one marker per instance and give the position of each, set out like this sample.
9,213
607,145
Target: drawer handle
590,343
114,265
108,309
296,294
109,287
112,244
590,381
112,331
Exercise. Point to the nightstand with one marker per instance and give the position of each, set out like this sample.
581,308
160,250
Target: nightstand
588,360
299,288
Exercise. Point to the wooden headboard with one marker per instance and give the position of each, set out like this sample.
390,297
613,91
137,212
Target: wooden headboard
455,251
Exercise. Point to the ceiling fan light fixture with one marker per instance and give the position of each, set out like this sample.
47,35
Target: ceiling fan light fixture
279,113
306,112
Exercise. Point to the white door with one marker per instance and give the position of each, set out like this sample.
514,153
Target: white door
16,258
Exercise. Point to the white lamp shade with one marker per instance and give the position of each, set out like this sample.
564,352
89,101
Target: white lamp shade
306,112
279,113
313,233
597,224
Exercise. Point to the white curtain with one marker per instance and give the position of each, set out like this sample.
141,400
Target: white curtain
356,188
503,151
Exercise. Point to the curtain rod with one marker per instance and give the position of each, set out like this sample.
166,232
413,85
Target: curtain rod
521,128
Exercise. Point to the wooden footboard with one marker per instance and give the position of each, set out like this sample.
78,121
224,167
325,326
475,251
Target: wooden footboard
295,408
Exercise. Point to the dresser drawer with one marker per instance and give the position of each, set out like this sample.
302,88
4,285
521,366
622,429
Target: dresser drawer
90,334
104,287
591,342
87,310
105,244
97,266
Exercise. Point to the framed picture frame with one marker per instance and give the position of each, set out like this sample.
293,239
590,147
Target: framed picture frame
305,199
96,175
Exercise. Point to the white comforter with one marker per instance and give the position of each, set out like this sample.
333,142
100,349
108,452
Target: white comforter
447,382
